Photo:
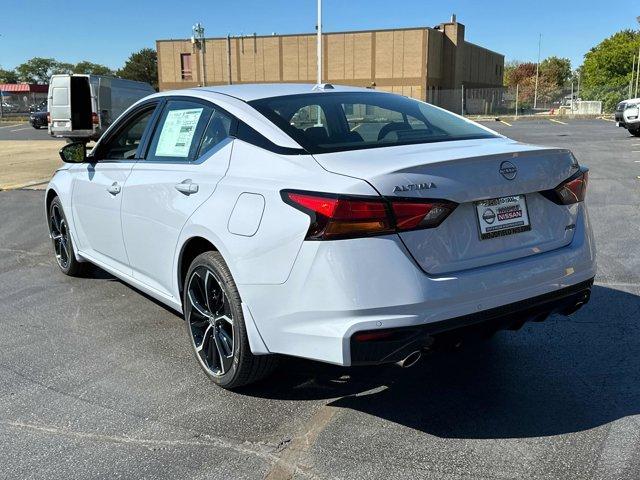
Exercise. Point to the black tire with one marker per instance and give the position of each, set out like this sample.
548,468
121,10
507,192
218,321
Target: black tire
62,243
215,325
37,127
635,132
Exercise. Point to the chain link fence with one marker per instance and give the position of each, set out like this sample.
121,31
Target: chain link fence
524,101
21,103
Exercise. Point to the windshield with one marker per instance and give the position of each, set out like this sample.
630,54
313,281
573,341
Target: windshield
332,122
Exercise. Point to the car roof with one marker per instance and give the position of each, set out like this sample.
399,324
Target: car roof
254,91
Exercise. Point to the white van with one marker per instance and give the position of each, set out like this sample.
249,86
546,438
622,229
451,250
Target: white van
83,106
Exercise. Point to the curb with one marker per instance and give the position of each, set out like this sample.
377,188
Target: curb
18,186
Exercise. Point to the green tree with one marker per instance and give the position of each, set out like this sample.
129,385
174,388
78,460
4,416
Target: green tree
556,70
8,76
39,70
610,62
141,66
36,70
91,68
606,71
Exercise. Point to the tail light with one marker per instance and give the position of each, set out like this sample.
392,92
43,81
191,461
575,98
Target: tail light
48,118
94,118
572,190
343,216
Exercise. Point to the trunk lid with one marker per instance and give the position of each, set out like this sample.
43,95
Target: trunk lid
466,172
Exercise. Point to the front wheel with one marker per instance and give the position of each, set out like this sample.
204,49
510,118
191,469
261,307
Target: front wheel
61,238
635,131
215,325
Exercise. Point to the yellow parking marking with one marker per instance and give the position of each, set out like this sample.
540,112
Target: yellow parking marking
506,123
607,119
557,121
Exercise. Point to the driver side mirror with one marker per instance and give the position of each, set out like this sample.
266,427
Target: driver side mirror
75,152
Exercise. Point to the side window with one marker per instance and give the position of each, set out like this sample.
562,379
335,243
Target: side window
179,130
217,130
124,145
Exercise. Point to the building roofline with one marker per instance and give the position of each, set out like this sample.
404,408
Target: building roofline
484,48
303,34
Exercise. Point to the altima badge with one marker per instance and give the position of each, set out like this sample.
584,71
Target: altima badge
414,186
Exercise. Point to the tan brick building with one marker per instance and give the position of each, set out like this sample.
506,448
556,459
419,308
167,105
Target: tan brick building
418,62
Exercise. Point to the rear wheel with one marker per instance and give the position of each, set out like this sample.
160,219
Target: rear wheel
215,325
635,131
61,238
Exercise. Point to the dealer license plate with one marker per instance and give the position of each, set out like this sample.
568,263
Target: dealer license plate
498,217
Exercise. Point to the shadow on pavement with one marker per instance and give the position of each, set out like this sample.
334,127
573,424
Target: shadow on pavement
567,375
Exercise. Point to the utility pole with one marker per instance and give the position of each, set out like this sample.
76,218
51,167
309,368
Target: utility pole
198,36
319,42
229,57
633,71
535,91
638,66
637,74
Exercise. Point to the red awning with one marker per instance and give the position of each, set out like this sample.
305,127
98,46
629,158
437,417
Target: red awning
23,88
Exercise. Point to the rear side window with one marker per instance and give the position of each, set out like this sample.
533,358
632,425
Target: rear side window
215,133
179,131
337,121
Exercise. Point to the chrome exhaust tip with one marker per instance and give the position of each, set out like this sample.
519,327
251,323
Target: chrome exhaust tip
410,360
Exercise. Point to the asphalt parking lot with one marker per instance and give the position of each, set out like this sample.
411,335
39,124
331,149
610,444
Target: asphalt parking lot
22,131
97,381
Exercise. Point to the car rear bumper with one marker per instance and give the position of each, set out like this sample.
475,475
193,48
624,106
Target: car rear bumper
402,341
338,288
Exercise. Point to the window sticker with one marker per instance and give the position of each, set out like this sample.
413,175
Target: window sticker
177,133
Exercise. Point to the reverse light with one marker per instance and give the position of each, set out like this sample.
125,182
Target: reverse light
572,190
344,216
94,118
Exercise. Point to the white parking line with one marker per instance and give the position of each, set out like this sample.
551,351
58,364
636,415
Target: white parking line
506,123
20,129
557,121
14,125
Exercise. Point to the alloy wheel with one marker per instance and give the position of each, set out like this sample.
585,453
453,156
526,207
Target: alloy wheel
60,237
210,321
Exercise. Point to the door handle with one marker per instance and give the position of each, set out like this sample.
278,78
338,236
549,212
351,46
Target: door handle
187,187
114,189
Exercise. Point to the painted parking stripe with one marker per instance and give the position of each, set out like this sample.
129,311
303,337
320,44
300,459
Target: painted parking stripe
557,121
19,129
14,125
506,123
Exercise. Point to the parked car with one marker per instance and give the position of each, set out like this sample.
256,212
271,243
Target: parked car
39,119
627,115
381,229
9,107
83,106
38,107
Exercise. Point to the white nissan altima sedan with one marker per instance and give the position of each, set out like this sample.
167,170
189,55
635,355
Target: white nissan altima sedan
338,224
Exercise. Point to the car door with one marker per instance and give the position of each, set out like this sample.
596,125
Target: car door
97,190
187,155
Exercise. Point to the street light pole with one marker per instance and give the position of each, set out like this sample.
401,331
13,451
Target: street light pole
535,91
198,34
319,40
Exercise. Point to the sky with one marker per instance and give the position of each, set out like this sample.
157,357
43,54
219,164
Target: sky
108,31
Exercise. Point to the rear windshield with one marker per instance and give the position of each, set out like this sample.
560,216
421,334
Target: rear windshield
331,122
